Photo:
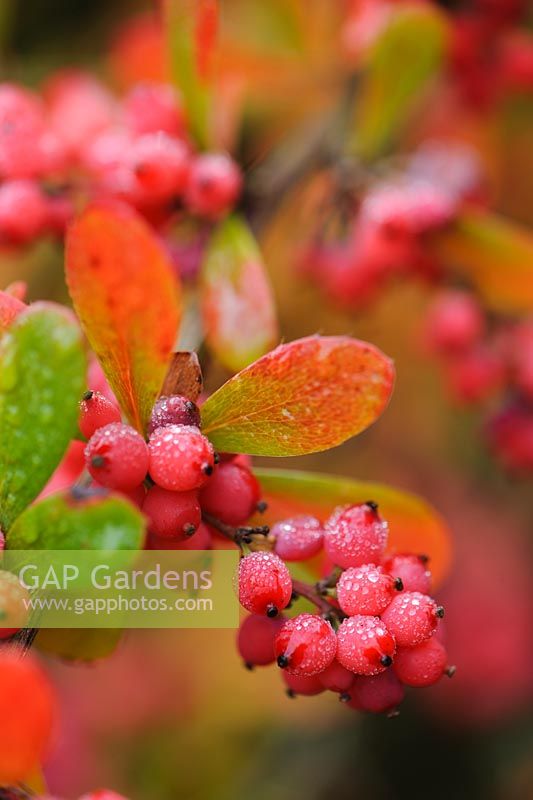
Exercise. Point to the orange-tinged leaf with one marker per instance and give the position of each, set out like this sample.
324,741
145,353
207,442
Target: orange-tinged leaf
237,304
127,298
495,255
303,397
415,526
10,308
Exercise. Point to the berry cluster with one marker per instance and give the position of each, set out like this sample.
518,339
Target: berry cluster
487,360
383,226
375,629
175,476
77,142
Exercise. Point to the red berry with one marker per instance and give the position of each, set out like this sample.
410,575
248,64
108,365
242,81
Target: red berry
306,645
366,590
376,693
355,535
27,710
181,458
160,164
213,186
152,107
23,211
365,645
174,410
475,375
231,494
201,540
103,794
306,685
265,584
336,678
95,412
117,456
297,539
422,665
172,515
412,617
255,639
411,570
454,323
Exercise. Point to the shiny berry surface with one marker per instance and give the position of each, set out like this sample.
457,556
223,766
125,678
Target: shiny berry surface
297,539
117,457
355,535
306,645
412,617
181,459
265,584
364,645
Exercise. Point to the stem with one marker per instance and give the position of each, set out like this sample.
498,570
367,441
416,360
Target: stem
241,535
312,594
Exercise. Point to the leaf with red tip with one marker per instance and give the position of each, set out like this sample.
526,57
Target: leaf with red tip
414,525
10,308
126,295
303,397
495,255
237,303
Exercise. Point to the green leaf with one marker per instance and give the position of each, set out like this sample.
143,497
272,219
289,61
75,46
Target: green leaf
237,303
191,27
303,397
495,255
73,521
42,375
415,526
406,55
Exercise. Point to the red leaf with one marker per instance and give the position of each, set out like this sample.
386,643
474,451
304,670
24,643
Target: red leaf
127,298
303,397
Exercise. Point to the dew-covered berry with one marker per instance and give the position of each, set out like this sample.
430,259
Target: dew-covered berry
95,412
366,590
265,584
365,645
117,456
232,493
306,645
255,639
173,409
213,186
181,458
355,535
336,678
422,665
411,570
377,694
201,540
305,685
172,515
412,617
297,539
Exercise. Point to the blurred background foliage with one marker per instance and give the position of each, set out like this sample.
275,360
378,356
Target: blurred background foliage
176,716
